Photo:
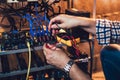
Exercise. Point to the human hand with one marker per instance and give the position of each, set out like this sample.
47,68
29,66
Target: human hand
63,21
116,46
55,56
67,21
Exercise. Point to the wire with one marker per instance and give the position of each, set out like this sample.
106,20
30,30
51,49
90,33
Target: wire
29,61
73,41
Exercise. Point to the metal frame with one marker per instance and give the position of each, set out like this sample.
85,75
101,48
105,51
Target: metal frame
19,51
20,72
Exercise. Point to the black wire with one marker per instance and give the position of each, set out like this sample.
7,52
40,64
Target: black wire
70,36
67,32
91,44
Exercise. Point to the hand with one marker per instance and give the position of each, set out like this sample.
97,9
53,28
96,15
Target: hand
55,56
63,21
116,46
58,58
67,21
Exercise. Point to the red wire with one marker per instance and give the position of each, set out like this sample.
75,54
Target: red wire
74,43
75,46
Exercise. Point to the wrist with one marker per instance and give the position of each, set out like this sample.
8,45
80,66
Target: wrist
68,66
64,62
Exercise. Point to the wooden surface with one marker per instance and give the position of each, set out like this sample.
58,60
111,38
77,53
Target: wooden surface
98,76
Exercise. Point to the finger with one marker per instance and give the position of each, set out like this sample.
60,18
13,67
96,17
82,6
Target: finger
51,23
59,26
44,52
48,62
54,20
51,46
53,32
48,48
45,49
52,26
56,31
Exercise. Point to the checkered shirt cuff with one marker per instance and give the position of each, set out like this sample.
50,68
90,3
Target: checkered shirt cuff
103,31
115,32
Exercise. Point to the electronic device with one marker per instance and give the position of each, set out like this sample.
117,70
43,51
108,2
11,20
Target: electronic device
37,36
13,41
66,39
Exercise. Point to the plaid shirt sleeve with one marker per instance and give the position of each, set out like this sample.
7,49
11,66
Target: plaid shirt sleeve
107,32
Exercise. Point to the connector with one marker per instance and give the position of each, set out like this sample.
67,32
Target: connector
65,39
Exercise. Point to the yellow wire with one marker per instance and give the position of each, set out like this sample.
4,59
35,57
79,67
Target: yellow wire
29,62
